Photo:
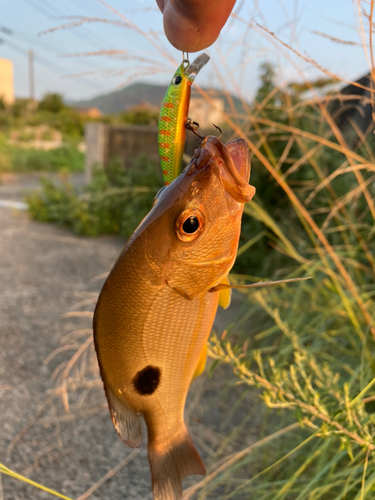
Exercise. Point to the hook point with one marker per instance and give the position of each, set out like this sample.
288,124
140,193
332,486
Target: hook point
219,129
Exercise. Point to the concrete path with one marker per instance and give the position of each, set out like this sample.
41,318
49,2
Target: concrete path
44,272
15,186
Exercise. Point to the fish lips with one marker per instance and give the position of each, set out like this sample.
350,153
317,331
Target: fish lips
238,152
233,162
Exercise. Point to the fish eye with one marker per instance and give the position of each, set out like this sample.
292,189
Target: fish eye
177,80
189,224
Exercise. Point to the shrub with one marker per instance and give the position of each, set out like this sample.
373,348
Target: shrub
113,203
51,102
17,159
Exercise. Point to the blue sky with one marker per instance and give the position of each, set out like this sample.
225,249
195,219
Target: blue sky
235,56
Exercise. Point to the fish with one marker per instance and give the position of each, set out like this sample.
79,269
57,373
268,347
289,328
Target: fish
173,115
157,307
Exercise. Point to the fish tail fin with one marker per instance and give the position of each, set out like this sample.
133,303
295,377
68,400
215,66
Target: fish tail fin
171,462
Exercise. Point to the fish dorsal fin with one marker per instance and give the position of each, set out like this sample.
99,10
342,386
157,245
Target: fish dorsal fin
127,422
225,294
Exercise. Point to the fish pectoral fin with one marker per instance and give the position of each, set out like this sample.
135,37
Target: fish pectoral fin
201,363
127,421
171,462
223,286
225,294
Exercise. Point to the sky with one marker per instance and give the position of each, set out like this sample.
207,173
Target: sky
65,60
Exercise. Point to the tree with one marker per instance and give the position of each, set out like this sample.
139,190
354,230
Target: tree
52,102
267,79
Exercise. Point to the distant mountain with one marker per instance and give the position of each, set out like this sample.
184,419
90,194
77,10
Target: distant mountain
136,93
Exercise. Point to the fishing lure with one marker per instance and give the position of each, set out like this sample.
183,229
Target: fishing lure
173,115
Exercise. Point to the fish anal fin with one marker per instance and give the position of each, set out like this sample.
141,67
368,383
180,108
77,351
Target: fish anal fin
172,461
225,294
201,362
127,421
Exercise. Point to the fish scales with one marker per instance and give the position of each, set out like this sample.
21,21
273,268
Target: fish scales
156,310
149,340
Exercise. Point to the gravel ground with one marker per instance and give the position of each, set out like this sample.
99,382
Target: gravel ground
44,271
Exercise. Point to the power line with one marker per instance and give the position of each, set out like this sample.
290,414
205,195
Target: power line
41,43
43,62
50,10
47,9
51,7
44,45
37,7
84,29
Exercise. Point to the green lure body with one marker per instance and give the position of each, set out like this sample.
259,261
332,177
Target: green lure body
172,119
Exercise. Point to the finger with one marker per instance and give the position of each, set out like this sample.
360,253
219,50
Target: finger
193,25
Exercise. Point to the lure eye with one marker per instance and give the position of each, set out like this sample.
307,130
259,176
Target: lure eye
177,80
189,224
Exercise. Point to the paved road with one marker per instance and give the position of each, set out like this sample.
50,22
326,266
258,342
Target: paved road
15,186
44,272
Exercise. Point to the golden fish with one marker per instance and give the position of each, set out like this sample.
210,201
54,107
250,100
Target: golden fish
156,310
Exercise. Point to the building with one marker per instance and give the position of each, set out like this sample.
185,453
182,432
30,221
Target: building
6,81
90,112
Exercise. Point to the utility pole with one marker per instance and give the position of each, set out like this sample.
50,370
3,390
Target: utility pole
31,74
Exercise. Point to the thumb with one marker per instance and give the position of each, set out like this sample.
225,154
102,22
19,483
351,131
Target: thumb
193,25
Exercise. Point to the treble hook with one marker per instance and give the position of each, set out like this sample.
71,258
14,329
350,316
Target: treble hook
219,129
193,127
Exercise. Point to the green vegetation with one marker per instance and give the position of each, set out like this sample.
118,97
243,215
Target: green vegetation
51,120
50,112
113,203
52,103
21,159
140,116
54,114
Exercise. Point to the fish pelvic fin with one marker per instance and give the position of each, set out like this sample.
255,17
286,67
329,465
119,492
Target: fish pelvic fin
225,294
172,461
127,421
201,362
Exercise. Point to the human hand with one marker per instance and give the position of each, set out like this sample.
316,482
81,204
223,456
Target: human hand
193,25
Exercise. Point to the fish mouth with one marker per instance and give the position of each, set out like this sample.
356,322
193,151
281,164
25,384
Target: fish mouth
233,160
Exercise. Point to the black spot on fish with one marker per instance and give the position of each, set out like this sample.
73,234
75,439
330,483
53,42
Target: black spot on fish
147,380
